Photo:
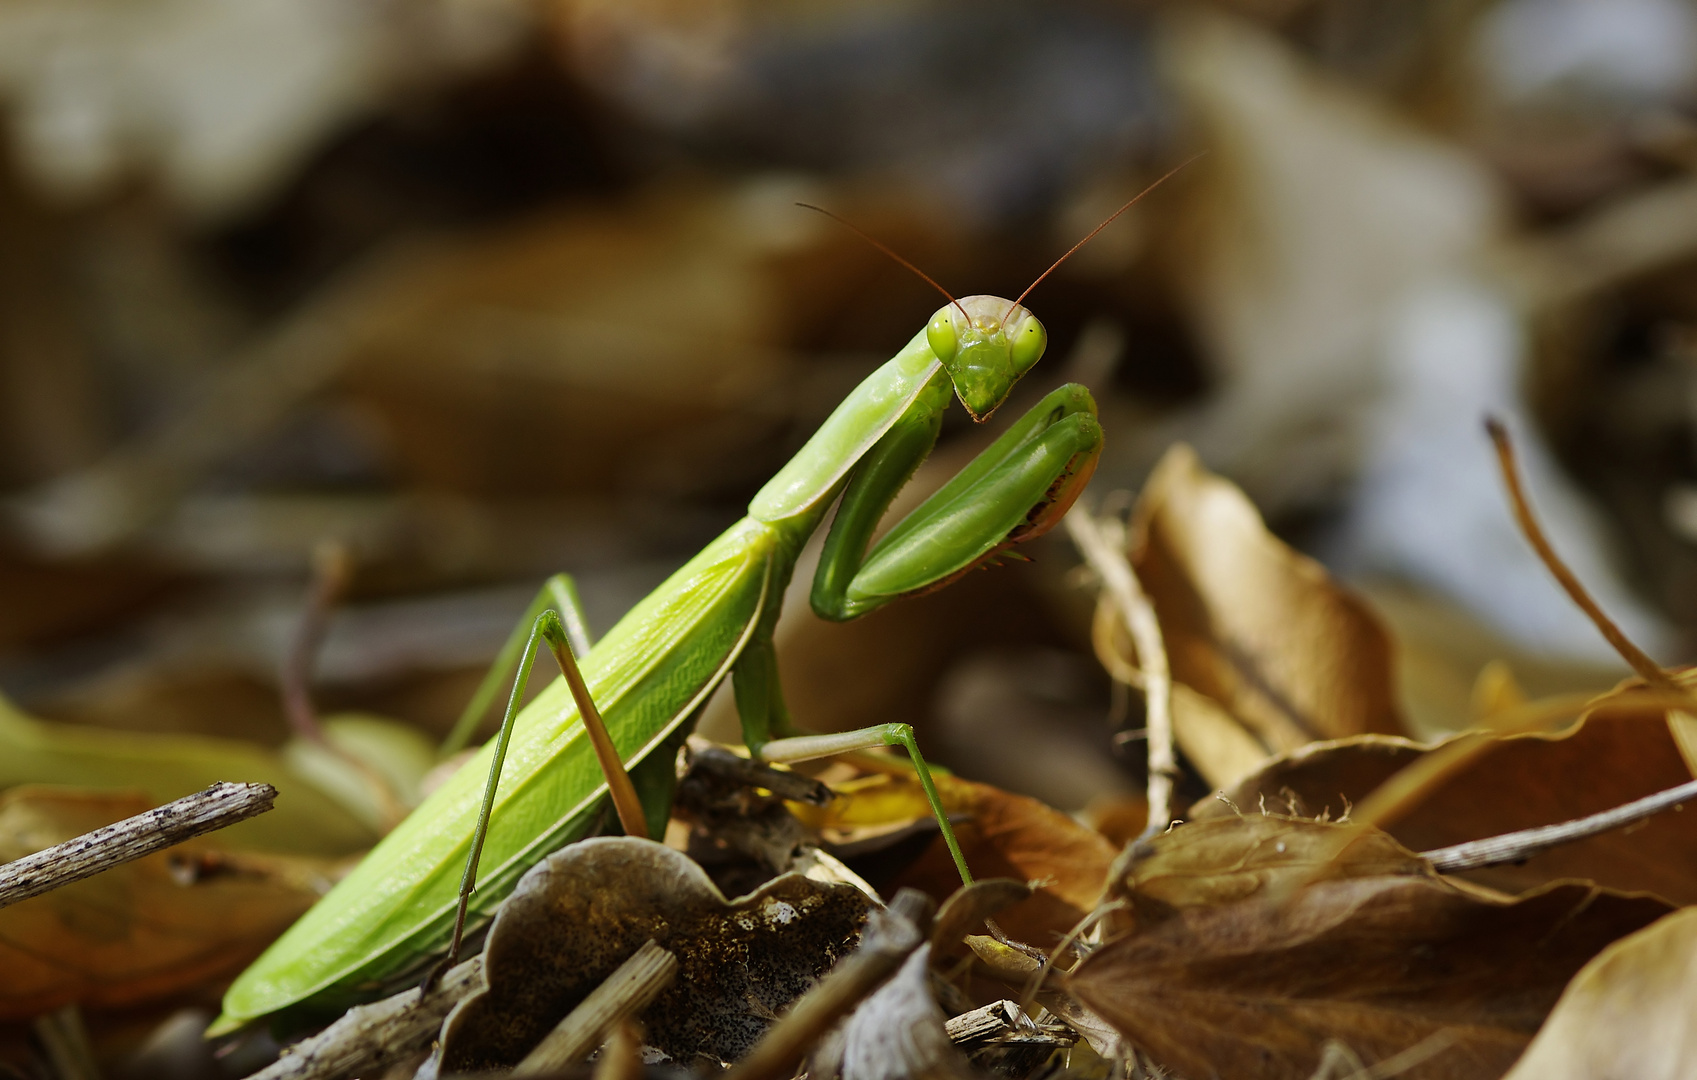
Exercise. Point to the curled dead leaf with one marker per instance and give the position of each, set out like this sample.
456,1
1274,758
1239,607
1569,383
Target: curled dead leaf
1251,624
165,923
1612,756
1376,953
580,913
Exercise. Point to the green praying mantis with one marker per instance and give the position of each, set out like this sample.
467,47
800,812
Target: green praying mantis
544,781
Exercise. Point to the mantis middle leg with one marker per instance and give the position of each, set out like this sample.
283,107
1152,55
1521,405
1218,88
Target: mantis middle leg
1018,487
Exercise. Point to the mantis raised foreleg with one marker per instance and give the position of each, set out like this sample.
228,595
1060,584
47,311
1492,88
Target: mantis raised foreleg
714,617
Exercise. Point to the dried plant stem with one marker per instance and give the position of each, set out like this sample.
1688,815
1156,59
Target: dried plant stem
626,992
1647,669
332,570
121,842
1515,846
1107,557
369,1038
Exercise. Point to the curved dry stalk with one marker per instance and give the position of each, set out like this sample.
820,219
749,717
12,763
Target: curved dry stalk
332,571
1647,669
1107,557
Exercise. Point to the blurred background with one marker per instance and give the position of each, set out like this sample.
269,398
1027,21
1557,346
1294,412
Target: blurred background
479,290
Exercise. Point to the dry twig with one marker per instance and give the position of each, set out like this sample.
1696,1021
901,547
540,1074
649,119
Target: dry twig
1107,557
626,992
1515,846
123,841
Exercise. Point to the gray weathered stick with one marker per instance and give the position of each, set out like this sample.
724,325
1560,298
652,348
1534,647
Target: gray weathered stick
219,805
623,994
369,1038
1515,846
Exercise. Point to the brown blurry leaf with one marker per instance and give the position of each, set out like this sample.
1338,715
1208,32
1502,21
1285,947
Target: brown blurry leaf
1250,623
1628,1014
1613,756
166,767
160,925
1377,953
580,913
1119,818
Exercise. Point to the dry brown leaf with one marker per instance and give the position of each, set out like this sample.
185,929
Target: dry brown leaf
584,910
160,925
1612,756
1251,623
1378,955
1628,1014
898,1032
1012,836
1209,863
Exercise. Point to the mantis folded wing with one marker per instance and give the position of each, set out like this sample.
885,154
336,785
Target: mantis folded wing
714,617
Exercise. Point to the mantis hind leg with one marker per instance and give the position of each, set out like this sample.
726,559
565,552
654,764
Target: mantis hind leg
548,626
558,592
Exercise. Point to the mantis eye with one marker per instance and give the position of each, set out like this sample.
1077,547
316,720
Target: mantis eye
1028,345
940,335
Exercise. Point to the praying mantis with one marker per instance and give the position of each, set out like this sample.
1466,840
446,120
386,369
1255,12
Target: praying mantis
542,782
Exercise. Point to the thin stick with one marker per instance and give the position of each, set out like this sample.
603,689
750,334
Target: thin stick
1650,671
627,991
1109,561
125,841
1515,846
619,786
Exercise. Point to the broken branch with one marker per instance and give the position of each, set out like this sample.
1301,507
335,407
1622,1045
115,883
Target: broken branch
127,840
1515,846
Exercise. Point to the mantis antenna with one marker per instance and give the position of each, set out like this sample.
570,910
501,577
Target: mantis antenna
1108,221
847,224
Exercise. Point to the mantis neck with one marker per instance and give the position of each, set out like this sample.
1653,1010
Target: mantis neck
795,500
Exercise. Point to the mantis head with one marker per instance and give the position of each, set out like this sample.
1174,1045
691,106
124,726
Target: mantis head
986,343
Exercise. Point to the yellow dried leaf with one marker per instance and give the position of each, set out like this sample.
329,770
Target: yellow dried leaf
1628,1014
